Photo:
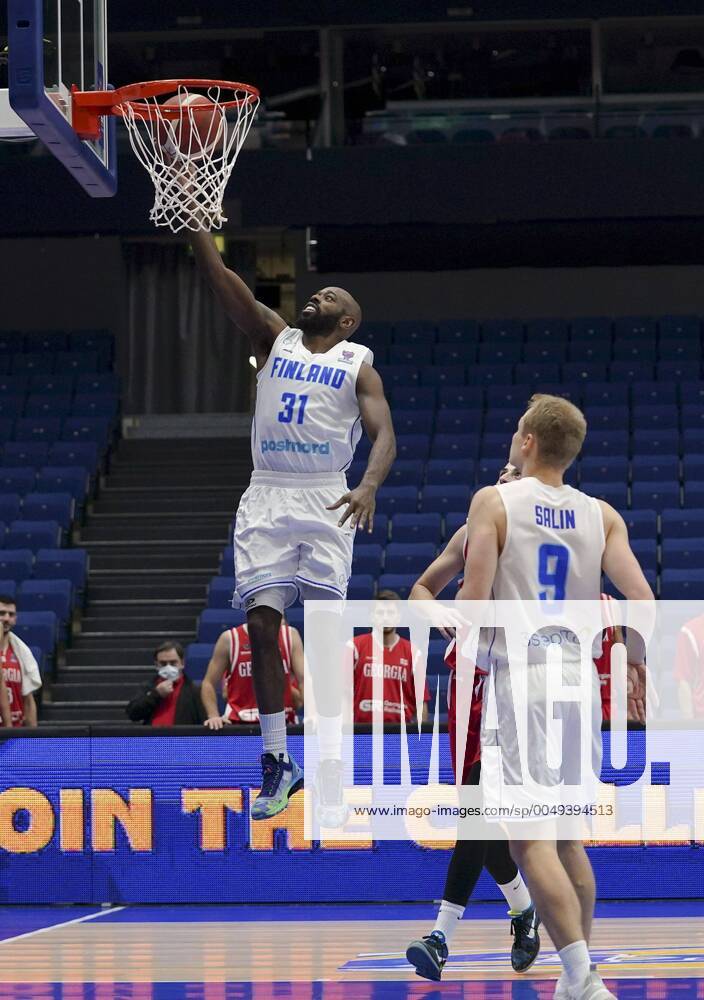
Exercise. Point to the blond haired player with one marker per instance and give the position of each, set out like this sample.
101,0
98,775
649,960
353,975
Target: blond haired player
538,539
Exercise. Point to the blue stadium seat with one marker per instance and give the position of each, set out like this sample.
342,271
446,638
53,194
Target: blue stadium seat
602,394
16,564
442,471
502,421
693,468
405,557
655,468
20,479
457,421
407,472
45,340
7,428
361,587
367,558
376,334
397,499
679,328
461,398
393,375
379,533
38,429
631,371
38,628
634,350
614,493
693,494
655,418
584,371
682,584
648,442
489,375
508,397
445,498
683,553
536,374
413,397
414,528
11,342
436,657
33,535
609,588
82,454
675,524
63,564
641,523
638,328
400,582
544,353
95,429
591,328
412,446
499,352
227,560
198,656
455,446
413,330
73,480
213,621
677,371
495,447
14,385
603,468
415,421
590,351
8,588
692,441
108,382
52,385
691,392
653,394
500,331
3,533
645,551
220,590
28,454
39,405
442,376
33,363
12,405
59,507
546,331
78,362
487,470
457,353
454,520
419,353
452,331
10,507
680,350
95,405
655,496
606,418
48,595
606,443
692,416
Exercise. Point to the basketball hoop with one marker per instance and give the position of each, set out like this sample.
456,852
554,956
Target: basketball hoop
188,143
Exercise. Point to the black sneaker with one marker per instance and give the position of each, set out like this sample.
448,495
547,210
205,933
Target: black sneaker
526,940
428,955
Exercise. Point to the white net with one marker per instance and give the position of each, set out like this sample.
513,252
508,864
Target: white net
189,150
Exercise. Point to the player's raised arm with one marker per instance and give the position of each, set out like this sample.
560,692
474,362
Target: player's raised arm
486,523
260,324
376,418
219,662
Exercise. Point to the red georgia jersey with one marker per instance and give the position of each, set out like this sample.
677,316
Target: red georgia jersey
12,673
238,688
603,662
398,663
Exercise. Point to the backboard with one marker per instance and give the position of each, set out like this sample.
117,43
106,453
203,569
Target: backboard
54,45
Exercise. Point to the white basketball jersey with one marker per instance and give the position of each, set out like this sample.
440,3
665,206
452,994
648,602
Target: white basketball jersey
307,417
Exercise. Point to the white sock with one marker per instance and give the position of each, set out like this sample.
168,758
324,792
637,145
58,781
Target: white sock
516,895
449,916
576,963
274,733
330,737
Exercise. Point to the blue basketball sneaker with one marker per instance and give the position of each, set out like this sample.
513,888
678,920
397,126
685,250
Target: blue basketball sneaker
428,955
280,780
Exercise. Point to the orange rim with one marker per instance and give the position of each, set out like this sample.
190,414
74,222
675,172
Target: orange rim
134,95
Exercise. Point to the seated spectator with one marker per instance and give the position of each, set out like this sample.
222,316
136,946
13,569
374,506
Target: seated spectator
19,669
400,661
231,667
170,698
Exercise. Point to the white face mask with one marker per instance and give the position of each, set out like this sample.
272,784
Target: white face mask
169,672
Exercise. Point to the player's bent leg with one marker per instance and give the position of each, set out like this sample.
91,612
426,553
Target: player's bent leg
577,865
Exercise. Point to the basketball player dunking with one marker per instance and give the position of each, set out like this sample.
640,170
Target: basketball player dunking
509,539
314,391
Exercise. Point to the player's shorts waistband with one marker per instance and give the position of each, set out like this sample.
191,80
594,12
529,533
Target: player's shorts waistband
299,480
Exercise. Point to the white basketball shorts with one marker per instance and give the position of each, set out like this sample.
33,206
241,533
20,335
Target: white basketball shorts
285,537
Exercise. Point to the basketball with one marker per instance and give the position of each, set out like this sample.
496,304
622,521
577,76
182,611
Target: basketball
196,132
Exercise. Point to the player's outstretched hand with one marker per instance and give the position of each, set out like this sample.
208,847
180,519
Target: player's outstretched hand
214,722
361,504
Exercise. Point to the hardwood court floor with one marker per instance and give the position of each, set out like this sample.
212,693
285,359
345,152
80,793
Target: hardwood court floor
652,950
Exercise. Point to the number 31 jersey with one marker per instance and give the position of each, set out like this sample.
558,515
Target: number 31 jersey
307,418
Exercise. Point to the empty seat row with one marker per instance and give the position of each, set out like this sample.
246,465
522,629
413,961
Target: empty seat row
52,429
45,564
40,404
25,481
59,507
61,385
39,455
56,595
48,363
506,373
15,341
30,536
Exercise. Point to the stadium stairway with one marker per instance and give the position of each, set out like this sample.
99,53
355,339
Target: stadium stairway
154,535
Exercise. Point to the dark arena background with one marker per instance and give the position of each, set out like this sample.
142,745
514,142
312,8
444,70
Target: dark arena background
514,193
